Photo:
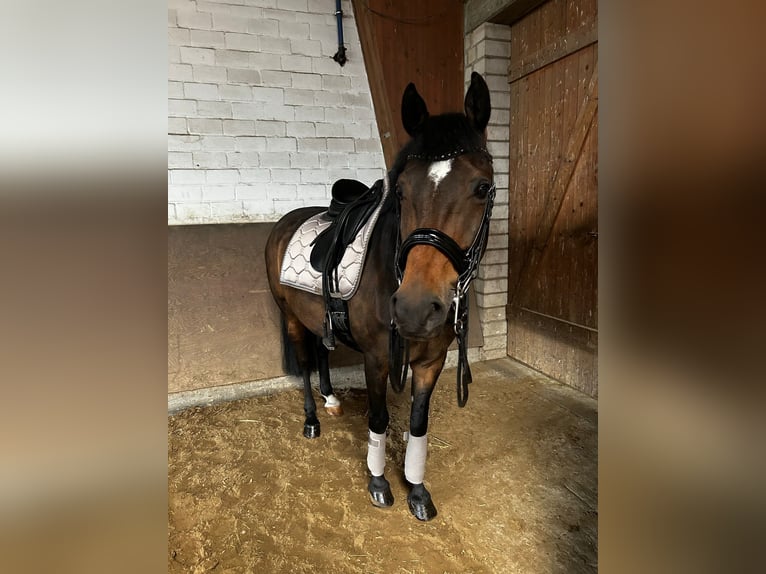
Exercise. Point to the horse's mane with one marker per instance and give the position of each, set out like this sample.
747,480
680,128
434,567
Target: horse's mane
439,137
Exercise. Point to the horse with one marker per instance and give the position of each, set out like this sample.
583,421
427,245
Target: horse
438,196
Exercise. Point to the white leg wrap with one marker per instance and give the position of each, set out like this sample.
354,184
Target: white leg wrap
331,401
376,453
415,459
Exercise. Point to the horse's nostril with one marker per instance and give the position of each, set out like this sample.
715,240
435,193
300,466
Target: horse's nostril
416,315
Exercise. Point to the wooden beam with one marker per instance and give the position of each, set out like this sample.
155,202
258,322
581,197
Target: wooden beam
405,41
498,11
375,75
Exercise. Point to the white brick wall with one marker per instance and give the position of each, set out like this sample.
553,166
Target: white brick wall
261,120
487,51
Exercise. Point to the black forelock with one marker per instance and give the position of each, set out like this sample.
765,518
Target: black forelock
440,137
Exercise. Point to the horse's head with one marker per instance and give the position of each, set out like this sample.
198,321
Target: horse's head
445,186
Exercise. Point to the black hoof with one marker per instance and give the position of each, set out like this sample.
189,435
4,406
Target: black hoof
311,430
380,492
420,503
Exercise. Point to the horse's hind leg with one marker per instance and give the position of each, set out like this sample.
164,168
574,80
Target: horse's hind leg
331,403
298,335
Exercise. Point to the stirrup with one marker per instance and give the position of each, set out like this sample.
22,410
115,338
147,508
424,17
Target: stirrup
328,338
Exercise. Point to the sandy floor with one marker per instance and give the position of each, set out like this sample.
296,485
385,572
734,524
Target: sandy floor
513,476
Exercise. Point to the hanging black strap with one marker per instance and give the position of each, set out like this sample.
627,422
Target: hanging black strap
398,359
464,377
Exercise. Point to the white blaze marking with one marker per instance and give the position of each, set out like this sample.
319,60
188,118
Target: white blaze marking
438,170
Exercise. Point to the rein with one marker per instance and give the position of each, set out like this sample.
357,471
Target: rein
466,263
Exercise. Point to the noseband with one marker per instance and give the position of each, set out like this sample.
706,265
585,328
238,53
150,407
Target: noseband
465,262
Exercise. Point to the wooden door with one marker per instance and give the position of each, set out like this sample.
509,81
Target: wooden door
553,217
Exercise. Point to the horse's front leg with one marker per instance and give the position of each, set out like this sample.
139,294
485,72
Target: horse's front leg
376,375
424,376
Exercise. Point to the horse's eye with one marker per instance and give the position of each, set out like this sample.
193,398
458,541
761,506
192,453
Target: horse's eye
482,190
398,191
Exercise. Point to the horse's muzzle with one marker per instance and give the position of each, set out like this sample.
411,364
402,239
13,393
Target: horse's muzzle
418,317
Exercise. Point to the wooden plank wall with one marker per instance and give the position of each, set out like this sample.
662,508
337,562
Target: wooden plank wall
405,41
552,311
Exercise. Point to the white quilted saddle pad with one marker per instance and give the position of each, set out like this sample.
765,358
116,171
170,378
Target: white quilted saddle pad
296,266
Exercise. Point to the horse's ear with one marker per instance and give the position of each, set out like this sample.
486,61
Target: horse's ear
414,110
477,105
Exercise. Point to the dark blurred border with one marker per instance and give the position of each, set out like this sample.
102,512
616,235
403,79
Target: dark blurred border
83,255
681,195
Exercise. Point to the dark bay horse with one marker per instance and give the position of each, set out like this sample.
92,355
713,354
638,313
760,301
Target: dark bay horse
440,200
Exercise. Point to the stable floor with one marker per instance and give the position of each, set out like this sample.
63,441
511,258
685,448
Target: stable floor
513,476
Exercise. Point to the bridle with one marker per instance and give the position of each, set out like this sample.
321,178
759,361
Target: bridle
465,262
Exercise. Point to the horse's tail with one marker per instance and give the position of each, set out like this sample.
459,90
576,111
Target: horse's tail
290,362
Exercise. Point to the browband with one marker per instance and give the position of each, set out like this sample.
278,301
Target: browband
451,154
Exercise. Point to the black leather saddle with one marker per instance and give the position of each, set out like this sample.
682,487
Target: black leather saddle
352,205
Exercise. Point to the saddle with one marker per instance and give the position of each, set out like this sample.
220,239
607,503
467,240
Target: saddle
352,205
326,254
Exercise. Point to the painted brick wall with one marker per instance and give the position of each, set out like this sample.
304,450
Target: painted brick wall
487,51
261,120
